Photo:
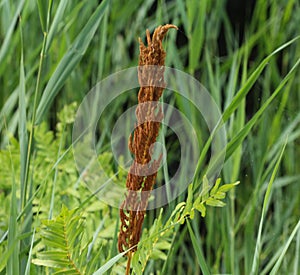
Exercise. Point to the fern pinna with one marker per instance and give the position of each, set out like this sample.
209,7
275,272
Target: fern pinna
140,180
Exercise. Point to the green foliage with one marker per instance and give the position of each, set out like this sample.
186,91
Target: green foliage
210,195
70,60
66,251
57,177
152,245
53,52
156,241
64,234
9,159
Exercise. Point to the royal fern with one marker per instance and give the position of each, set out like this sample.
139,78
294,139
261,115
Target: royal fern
64,250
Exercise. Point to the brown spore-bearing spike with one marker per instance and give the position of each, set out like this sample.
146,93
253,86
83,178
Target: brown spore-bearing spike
139,181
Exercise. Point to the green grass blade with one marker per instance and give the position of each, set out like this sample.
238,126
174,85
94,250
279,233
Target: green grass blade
237,140
258,246
6,255
23,136
102,46
110,263
32,128
198,251
13,260
196,14
242,134
58,17
8,107
297,258
251,80
275,269
42,7
6,43
70,60
13,266
27,270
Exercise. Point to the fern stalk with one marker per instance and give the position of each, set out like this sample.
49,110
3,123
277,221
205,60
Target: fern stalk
140,180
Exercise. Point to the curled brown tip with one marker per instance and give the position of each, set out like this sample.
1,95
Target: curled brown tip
154,53
170,26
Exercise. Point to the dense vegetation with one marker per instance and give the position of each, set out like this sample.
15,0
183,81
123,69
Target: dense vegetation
53,52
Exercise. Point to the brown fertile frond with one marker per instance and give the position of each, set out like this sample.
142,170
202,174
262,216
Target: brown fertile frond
154,53
142,173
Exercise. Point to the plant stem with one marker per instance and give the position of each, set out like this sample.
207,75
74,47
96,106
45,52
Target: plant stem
37,88
31,134
128,263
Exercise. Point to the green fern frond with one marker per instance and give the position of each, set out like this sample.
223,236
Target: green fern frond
209,196
152,245
158,239
63,237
